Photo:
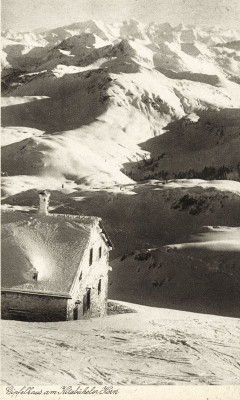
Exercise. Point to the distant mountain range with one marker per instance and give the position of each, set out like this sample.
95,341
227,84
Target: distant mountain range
103,89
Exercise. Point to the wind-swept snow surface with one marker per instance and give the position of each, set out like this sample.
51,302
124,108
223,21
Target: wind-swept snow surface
148,346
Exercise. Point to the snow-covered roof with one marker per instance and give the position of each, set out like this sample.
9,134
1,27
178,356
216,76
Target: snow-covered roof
50,245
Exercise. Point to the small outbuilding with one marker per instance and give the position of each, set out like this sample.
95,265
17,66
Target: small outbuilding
54,266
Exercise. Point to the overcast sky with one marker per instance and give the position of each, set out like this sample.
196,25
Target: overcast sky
24,15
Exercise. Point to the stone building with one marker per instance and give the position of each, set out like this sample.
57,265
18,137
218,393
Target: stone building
54,266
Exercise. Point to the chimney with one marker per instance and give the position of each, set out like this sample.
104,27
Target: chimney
43,202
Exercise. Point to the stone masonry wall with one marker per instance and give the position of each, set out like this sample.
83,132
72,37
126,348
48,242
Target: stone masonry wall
32,307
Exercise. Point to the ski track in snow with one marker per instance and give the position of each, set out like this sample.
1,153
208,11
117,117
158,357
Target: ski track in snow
150,346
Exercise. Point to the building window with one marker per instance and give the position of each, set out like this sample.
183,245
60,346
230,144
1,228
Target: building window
80,276
35,276
88,299
100,252
99,286
91,257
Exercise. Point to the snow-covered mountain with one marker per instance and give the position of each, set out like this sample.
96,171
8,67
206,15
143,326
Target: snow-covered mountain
105,115
103,89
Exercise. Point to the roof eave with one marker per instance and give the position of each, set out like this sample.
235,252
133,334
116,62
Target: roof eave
37,293
105,236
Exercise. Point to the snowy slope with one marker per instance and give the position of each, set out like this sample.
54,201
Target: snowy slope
149,346
205,145
123,104
201,276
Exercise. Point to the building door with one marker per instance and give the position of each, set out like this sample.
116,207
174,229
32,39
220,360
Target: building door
86,301
75,312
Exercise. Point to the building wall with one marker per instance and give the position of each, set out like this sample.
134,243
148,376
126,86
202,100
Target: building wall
90,277
32,307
